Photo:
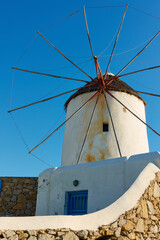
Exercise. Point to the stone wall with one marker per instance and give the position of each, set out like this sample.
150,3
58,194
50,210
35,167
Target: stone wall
18,196
139,223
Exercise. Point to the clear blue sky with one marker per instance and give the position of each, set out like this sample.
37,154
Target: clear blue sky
19,22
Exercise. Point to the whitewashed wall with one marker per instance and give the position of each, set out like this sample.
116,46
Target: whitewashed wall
89,221
105,181
131,133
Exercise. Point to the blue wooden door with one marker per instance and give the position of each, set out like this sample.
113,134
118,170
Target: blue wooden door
77,203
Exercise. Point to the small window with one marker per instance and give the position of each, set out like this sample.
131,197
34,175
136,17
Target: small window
77,203
0,185
105,127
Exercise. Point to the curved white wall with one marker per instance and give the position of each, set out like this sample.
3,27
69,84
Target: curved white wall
89,221
131,133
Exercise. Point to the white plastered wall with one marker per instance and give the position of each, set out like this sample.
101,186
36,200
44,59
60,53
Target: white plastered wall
105,181
131,133
89,221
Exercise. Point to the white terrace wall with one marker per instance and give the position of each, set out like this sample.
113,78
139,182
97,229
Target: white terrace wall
106,181
89,221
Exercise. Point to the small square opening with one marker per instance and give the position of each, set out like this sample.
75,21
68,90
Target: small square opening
105,127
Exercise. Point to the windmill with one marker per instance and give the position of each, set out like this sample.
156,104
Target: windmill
102,85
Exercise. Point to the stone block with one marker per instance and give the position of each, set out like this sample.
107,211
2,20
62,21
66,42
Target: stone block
140,226
23,236
9,233
32,238
18,206
21,199
70,236
82,234
33,197
45,237
129,225
144,209
118,232
156,190
150,207
121,222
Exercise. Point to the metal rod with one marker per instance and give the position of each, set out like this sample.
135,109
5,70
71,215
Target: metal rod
79,109
50,75
84,12
138,53
47,99
112,122
64,55
132,112
116,40
141,70
85,138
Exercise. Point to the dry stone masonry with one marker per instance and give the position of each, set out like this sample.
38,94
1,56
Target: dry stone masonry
18,196
140,223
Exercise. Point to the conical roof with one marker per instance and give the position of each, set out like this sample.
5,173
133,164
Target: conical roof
116,83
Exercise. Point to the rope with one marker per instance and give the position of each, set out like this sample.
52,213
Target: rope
129,6
20,58
19,132
138,53
146,87
66,67
11,89
144,12
25,143
61,20
53,125
105,6
108,45
116,54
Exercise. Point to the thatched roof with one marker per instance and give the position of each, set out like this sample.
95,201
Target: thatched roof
118,83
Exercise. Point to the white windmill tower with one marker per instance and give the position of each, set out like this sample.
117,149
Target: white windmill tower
100,139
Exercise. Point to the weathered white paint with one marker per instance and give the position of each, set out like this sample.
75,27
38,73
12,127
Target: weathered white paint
131,133
105,181
90,221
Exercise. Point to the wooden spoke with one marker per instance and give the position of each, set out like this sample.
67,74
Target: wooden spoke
87,132
138,53
132,112
141,70
121,89
78,110
112,122
117,75
151,94
84,12
50,75
50,98
64,55
116,41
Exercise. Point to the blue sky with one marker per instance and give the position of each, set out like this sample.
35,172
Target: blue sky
19,22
